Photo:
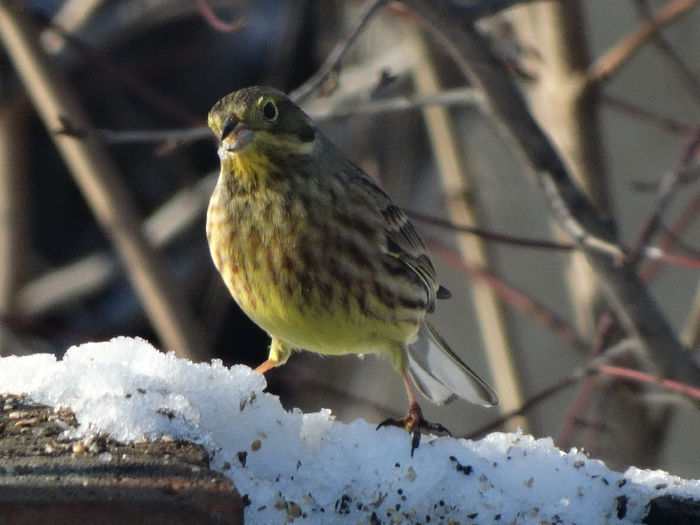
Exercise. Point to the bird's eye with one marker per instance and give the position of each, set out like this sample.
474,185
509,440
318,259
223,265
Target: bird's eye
270,111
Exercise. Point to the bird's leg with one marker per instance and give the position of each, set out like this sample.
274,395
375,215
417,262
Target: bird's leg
279,353
413,422
265,366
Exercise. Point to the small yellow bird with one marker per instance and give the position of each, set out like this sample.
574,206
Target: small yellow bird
316,254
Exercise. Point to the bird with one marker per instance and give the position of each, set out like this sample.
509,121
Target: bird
318,255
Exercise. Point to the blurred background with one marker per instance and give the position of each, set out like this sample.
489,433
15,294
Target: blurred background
133,81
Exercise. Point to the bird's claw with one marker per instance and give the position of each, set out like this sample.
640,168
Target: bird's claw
413,423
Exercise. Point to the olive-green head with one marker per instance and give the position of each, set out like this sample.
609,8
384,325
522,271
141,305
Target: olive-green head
260,116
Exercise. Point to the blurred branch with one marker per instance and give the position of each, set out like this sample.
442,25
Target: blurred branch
635,306
71,16
660,121
369,8
643,377
672,236
457,181
126,78
530,403
573,378
512,296
179,136
683,72
471,11
100,183
332,63
455,97
669,183
691,330
214,21
490,235
618,55
15,237
569,112
607,322
650,253
87,276
448,98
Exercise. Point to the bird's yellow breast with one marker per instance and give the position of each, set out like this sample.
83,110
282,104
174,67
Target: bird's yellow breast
294,286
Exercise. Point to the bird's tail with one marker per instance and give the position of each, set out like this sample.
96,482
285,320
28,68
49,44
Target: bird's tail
440,375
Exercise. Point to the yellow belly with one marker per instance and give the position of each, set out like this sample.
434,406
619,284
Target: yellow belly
305,319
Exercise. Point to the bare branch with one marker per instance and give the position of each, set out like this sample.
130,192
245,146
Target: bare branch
513,297
632,301
336,56
684,73
643,377
666,191
573,378
490,235
618,55
662,122
448,98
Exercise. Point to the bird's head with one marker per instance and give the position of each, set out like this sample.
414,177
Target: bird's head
260,125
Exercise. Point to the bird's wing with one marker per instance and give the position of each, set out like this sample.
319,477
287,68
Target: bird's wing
404,244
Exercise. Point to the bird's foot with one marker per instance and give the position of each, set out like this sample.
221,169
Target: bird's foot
414,422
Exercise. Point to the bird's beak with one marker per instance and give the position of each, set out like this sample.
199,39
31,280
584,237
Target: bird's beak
235,137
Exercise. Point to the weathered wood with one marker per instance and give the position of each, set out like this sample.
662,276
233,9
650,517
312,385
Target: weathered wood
45,478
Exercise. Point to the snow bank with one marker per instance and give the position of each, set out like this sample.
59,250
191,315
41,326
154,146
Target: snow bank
297,467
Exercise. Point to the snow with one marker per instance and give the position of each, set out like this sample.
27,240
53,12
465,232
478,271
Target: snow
309,468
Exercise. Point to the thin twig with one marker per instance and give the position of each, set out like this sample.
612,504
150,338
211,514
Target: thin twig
214,21
179,136
680,224
684,73
574,377
491,235
512,296
672,258
662,122
643,377
336,56
529,404
448,98
667,188
618,55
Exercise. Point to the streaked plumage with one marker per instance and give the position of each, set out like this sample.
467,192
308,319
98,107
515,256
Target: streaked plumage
318,255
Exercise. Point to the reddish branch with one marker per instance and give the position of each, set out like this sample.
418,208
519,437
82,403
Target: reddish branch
214,21
643,377
512,296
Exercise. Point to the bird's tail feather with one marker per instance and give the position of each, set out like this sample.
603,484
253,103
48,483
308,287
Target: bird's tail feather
440,375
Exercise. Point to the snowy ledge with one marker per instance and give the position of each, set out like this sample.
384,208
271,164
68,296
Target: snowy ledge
295,467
